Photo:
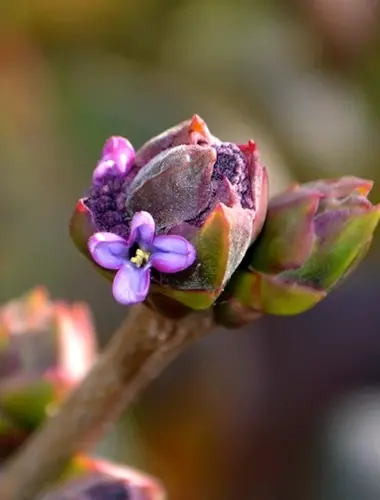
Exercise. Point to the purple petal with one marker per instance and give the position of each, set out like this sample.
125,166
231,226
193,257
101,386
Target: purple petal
142,229
108,250
116,144
103,167
131,284
118,157
175,185
172,254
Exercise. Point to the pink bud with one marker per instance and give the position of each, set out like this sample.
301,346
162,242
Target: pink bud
118,157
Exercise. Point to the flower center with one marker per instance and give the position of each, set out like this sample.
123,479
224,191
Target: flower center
140,258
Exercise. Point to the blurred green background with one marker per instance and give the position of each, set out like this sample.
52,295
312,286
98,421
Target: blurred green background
288,408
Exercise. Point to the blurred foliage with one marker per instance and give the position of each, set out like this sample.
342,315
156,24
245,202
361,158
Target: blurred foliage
46,348
243,414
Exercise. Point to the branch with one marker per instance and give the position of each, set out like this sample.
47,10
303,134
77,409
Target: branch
139,350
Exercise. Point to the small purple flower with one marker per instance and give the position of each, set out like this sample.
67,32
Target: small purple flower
133,258
118,157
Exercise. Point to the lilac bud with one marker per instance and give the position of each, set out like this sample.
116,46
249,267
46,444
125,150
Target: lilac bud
118,156
209,195
46,347
315,234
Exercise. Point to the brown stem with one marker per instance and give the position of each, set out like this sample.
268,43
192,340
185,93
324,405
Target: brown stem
140,349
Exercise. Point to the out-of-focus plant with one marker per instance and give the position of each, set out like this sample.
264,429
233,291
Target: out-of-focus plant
46,347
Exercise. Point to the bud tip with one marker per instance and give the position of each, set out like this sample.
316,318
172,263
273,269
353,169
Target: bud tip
198,126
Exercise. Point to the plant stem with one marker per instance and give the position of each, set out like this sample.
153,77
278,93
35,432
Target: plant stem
139,350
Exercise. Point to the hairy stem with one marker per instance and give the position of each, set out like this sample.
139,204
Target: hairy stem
139,350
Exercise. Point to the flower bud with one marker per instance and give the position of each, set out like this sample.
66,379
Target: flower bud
207,199
314,235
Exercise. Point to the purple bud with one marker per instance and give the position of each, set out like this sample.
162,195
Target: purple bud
118,157
206,197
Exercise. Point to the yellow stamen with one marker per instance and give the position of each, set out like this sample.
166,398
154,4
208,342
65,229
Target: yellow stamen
140,258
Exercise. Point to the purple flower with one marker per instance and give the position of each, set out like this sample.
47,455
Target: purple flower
117,158
133,257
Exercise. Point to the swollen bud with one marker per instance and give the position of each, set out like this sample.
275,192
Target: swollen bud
198,203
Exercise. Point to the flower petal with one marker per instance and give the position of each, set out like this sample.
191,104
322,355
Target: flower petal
131,284
108,250
172,254
118,157
142,229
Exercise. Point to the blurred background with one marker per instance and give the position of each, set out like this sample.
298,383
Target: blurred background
285,409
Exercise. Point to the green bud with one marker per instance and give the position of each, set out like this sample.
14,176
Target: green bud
314,236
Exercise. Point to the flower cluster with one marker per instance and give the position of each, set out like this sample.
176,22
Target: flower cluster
174,218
